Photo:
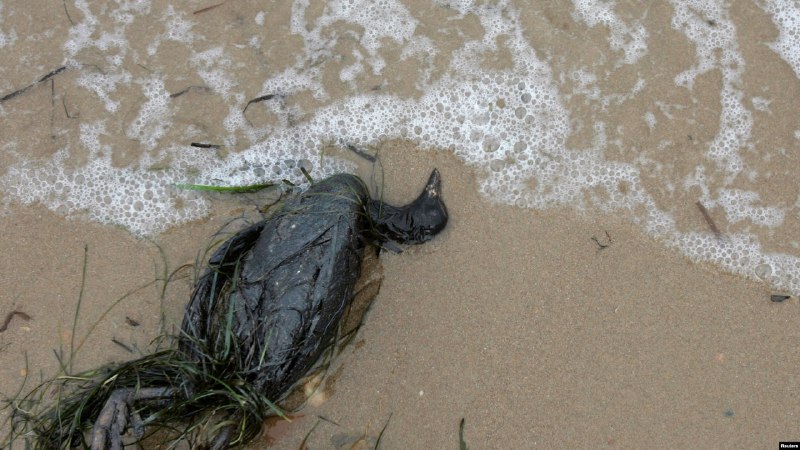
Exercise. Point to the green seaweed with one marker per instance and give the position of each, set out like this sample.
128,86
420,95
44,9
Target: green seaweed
226,189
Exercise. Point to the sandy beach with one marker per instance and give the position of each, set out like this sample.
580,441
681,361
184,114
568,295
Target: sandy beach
560,327
522,325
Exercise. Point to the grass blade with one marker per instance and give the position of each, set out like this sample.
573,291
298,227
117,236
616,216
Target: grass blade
72,350
226,189
462,444
380,435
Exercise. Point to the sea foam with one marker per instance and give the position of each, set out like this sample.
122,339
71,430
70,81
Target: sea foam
512,123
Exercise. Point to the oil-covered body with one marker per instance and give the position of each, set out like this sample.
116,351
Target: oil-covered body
270,302
282,286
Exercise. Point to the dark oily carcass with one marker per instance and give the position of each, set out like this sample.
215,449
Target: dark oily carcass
282,285
260,317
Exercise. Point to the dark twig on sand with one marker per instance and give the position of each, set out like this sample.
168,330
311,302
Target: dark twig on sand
67,11
122,345
262,98
201,145
709,220
380,435
11,315
304,442
462,444
209,8
46,77
188,89
361,153
52,108
603,246
66,112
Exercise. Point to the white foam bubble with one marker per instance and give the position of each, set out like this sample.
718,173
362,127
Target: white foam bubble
786,16
630,39
761,104
154,117
7,36
709,26
349,73
389,20
144,201
104,84
511,124
650,120
742,205
741,254
177,28
87,34
213,66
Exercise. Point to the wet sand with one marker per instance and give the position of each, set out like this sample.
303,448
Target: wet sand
552,329
516,321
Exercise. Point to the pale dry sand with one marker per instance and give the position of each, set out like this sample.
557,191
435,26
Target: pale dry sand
514,320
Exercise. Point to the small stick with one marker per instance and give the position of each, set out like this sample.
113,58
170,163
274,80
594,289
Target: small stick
46,77
190,88
462,444
121,344
303,445
361,153
603,246
263,98
64,102
709,220
380,435
68,16
201,145
9,316
52,108
328,420
207,8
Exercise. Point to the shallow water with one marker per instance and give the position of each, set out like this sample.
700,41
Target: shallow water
640,109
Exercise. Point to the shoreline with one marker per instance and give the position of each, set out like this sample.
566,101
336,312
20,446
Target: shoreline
522,325
534,327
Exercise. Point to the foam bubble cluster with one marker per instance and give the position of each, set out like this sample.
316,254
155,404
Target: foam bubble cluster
146,202
742,205
154,117
380,20
631,40
7,37
786,16
177,28
709,26
511,123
